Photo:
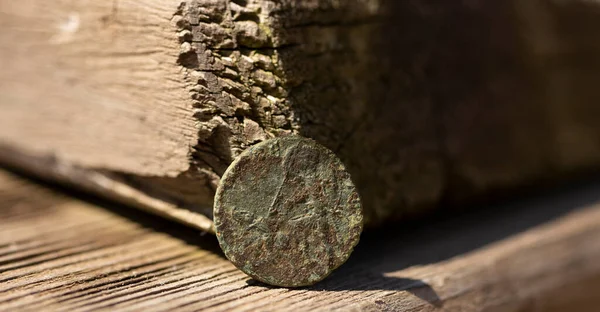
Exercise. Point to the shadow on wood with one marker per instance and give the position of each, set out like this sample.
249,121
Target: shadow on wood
439,263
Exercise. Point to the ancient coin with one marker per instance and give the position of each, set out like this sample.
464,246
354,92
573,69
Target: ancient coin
286,212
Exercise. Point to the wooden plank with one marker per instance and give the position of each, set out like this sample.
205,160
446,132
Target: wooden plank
61,253
425,102
74,70
101,184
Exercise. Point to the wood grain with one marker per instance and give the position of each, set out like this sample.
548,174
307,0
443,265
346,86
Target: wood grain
73,69
61,253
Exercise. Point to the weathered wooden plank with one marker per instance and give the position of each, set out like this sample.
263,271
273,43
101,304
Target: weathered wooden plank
95,84
102,184
89,88
425,102
61,253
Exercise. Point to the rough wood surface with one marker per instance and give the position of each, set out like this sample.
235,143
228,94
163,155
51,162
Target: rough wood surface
61,253
425,102
94,83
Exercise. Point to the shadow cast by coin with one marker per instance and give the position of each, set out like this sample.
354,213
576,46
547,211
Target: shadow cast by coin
416,287
339,281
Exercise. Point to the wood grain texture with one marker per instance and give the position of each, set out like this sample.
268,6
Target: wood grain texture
60,253
71,70
101,184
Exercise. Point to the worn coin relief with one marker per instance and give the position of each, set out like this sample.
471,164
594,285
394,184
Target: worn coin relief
287,213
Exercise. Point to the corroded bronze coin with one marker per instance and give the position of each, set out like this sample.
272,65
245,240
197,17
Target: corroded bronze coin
287,213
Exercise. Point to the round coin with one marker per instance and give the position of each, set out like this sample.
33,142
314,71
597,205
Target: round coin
286,212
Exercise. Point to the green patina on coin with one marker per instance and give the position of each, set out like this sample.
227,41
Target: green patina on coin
287,213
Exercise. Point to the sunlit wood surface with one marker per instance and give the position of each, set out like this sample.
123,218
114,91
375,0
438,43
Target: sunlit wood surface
65,251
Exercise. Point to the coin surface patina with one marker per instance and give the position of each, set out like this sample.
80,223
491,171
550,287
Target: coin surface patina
286,212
